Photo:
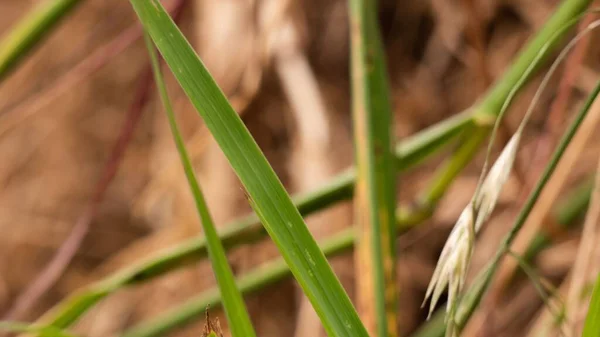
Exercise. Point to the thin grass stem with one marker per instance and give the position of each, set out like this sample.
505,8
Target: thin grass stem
30,30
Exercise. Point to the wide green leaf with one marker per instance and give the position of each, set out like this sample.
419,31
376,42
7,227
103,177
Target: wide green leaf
266,193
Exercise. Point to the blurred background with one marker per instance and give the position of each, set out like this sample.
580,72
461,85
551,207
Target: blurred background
82,107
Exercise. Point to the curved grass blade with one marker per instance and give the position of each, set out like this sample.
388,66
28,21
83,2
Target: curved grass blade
30,30
268,197
374,200
592,320
275,270
564,13
472,298
411,152
39,330
266,274
235,309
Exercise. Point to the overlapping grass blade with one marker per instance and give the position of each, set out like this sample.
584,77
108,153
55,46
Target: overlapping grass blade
39,330
248,229
565,12
30,30
266,193
592,320
374,199
235,309
411,152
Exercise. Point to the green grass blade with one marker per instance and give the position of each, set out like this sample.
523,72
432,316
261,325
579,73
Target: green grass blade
473,296
68,311
271,272
435,326
374,199
252,281
15,45
266,274
235,309
248,229
42,331
574,204
415,149
565,12
518,74
592,320
411,152
267,195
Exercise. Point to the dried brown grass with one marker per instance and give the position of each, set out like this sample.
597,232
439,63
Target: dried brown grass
51,161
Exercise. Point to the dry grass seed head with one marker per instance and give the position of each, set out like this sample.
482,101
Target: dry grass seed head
211,327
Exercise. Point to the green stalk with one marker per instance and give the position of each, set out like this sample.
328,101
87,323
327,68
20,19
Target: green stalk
67,312
567,212
473,296
454,166
574,205
374,200
15,45
39,330
266,274
271,272
249,229
591,327
266,194
496,101
434,327
567,11
235,309
411,151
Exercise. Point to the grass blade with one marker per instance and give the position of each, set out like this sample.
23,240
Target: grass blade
235,309
566,11
375,184
266,274
30,30
411,152
475,293
249,229
266,193
42,331
530,59
592,320
273,271
473,296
